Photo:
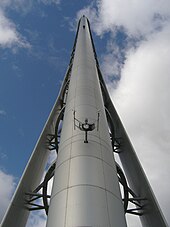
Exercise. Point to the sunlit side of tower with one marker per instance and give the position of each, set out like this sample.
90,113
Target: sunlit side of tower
85,131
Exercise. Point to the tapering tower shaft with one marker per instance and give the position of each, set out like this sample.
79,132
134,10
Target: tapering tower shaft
85,190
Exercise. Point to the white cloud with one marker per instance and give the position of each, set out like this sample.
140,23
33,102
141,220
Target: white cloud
112,62
7,187
9,36
142,99
37,219
9,33
136,17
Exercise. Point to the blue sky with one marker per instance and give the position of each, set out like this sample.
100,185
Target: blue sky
31,77
132,43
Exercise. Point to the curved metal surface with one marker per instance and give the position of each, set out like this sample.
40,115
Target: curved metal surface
86,189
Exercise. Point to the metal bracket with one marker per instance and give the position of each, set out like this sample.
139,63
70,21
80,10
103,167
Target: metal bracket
35,196
139,209
86,126
30,205
117,145
134,199
129,195
51,145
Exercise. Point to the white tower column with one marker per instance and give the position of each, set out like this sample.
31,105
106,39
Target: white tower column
85,189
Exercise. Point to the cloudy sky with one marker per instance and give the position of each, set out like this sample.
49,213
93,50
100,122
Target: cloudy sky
132,43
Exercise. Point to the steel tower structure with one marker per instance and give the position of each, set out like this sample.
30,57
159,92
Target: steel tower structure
85,130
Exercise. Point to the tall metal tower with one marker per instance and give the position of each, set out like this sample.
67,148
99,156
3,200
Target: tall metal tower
85,130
